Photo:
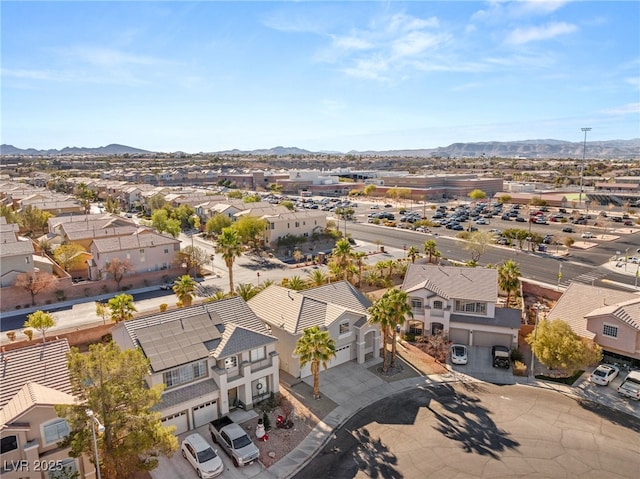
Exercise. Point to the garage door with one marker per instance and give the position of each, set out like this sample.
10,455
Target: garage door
343,354
459,336
205,413
179,420
482,338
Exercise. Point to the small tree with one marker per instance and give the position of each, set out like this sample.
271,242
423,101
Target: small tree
121,307
477,194
118,269
217,223
40,321
556,346
185,289
102,311
509,278
35,283
297,256
69,256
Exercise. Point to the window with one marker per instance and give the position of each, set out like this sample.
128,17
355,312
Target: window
470,307
272,226
142,251
54,431
27,259
8,444
166,250
297,224
610,331
185,374
65,468
344,328
415,327
416,303
437,304
257,354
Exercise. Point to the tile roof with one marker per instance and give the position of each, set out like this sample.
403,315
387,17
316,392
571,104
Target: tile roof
173,397
236,339
453,282
13,248
101,233
627,312
144,239
294,311
32,394
581,299
45,364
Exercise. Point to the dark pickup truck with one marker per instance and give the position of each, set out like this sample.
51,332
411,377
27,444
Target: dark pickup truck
234,440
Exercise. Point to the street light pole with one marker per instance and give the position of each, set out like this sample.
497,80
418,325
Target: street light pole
94,421
584,156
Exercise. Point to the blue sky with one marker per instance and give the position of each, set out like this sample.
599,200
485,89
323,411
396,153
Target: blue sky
332,76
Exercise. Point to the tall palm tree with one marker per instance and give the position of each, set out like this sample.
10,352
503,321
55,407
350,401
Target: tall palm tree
509,278
413,253
230,248
317,277
316,347
185,289
430,248
121,307
359,258
342,256
390,311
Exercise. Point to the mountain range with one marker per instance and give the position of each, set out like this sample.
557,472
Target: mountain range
534,149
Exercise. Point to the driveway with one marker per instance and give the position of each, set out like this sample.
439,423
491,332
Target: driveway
480,366
607,395
177,467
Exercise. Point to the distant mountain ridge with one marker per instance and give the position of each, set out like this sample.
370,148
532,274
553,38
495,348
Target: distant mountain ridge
113,149
533,149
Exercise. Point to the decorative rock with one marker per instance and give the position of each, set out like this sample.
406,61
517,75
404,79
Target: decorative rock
272,454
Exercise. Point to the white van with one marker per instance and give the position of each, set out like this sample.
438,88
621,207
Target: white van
630,387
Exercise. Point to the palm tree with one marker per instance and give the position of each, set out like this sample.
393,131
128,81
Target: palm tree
389,312
509,278
359,257
185,289
413,253
217,296
315,347
342,255
317,277
247,291
430,248
230,248
121,307
296,283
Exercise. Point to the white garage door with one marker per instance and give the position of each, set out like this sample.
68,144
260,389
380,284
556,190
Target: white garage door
482,338
343,354
205,413
179,420
459,336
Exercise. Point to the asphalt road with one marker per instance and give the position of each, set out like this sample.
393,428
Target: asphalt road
580,265
481,431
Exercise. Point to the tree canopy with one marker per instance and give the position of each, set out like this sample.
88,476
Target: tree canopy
40,321
37,282
69,256
111,383
121,307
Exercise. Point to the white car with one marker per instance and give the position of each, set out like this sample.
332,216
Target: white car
458,354
587,235
202,456
604,374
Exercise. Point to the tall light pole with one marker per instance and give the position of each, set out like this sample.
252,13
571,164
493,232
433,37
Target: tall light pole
94,422
584,157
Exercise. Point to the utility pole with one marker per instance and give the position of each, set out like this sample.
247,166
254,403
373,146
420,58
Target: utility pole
584,157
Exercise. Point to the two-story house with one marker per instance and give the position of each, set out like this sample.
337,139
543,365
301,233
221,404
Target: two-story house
293,223
212,358
145,250
16,254
338,307
35,379
609,317
459,303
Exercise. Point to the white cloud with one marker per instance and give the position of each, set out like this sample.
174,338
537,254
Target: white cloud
351,43
415,43
520,36
499,10
401,22
628,109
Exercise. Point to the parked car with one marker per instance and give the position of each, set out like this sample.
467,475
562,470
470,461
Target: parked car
388,206
630,387
567,229
520,219
501,357
604,374
167,286
202,456
458,354
587,235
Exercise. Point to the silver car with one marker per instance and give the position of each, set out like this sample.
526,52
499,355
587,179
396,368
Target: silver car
458,354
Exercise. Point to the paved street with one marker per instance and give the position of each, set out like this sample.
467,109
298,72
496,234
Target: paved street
481,430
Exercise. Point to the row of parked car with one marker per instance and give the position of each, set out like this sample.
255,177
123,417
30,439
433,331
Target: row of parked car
605,373
500,355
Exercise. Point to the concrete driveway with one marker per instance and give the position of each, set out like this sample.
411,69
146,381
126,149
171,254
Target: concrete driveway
177,467
480,366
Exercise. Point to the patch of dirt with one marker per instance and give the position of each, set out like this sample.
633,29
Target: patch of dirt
420,360
281,442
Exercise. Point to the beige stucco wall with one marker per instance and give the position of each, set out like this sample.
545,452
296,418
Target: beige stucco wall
627,342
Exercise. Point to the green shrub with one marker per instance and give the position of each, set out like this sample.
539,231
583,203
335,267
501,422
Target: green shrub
409,337
516,355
